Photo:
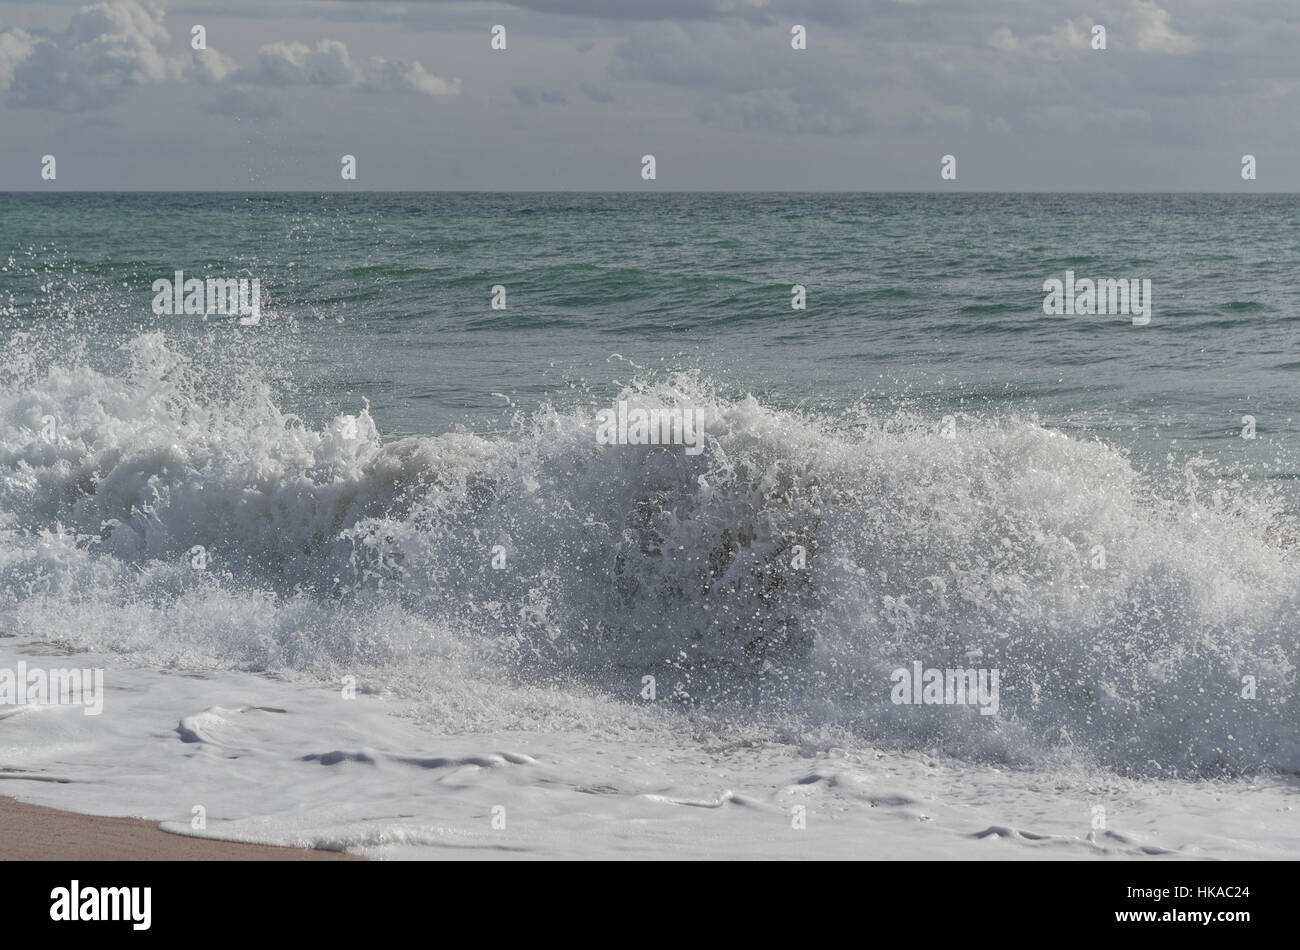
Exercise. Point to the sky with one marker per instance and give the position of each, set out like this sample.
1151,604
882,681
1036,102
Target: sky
1014,90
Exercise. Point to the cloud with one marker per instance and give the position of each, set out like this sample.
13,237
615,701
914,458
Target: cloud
740,83
1141,25
919,66
1004,40
383,75
705,57
1155,33
112,48
295,64
658,9
208,66
595,91
15,46
328,63
533,98
107,50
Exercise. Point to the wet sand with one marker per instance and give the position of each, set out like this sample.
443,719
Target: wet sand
35,833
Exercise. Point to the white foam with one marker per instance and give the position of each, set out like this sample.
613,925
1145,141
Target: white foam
331,552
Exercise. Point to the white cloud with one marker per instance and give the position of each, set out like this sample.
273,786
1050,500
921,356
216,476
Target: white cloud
653,9
385,75
209,66
329,63
111,48
107,49
296,64
1155,33
1140,25
15,46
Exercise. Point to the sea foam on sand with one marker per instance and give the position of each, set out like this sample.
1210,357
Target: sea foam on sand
290,763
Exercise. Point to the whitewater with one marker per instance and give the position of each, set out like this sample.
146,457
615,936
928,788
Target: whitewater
527,643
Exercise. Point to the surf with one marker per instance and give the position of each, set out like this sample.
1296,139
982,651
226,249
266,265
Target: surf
775,580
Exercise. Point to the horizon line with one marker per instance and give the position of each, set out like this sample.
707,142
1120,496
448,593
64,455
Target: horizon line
610,191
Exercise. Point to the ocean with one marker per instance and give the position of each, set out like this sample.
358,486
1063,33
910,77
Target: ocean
364,574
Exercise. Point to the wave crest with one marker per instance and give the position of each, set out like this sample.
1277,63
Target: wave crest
778,577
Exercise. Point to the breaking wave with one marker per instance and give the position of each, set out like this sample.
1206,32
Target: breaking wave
776,579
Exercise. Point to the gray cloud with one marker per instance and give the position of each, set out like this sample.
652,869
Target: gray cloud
107,50
742,84
943,64
755,10
112,48
296,64
328,63
596,92
533,98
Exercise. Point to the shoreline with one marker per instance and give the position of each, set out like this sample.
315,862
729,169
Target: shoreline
37,833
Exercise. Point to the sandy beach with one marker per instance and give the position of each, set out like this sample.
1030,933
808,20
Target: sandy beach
34,833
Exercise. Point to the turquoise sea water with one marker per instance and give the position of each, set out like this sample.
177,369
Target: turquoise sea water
932,300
